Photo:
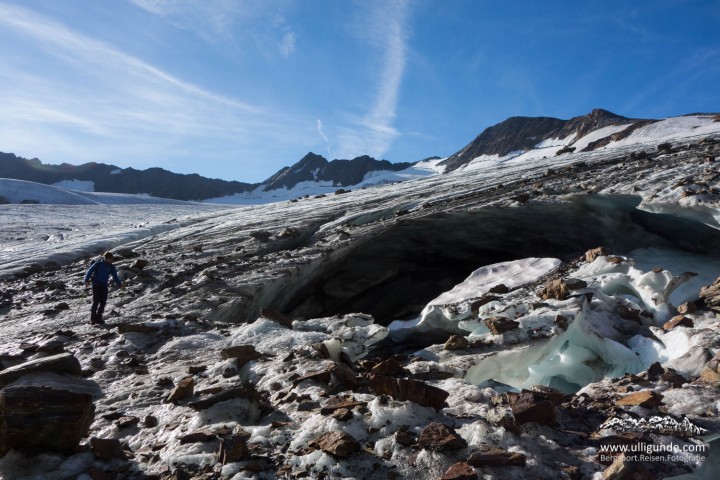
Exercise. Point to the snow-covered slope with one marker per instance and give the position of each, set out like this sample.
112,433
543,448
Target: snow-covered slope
20,191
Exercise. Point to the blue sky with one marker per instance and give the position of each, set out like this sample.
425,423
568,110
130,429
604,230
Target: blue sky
237,89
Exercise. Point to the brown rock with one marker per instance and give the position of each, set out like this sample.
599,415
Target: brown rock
337,403
413,390
198,436
342,414
687,307
242,353
530,407
233,449
107,448
456,342
228,394
279,317
555,289
405,437
184,389
127,421
500,325
61,363
390,367
655,370
594,253
500,288
503,417
439,437
339,444
44,417
624,469
495,457
643,398
678,321
561,321
485,299
150,421
460,471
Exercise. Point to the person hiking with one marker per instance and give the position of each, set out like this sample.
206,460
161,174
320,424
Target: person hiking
100,273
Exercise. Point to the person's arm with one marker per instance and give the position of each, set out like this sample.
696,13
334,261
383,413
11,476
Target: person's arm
89,273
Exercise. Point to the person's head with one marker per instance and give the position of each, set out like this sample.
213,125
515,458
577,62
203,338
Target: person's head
108,256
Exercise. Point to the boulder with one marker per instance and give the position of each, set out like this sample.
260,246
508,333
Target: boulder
49,418
413,390
456,342
61,363
339,444
439,437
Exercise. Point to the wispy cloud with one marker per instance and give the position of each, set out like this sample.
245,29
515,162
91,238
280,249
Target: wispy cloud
87,100
322,134
373,132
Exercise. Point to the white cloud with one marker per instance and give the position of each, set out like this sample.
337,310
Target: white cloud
322,134
374,132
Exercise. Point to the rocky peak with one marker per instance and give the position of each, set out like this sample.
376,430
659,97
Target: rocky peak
524,133
341,173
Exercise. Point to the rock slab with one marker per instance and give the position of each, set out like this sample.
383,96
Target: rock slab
43,417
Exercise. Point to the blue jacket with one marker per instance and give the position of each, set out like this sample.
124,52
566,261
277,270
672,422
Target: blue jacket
100,272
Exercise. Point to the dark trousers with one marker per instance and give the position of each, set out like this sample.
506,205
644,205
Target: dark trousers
100,296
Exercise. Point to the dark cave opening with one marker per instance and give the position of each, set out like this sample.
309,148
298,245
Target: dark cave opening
395,274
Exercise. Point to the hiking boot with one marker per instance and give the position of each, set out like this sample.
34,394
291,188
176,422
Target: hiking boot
93,319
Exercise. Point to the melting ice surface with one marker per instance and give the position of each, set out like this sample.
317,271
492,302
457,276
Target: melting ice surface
598,341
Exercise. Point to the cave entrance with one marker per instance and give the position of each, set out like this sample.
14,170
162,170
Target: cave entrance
394,275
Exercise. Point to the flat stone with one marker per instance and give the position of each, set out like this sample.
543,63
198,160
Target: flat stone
456,342
439,437
184,389
678,321
500,325
530,407
643,398
233,449
339,444
242,353
390,367
61,363
460,471
198,436
228,394
495,457
413,390
555,289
